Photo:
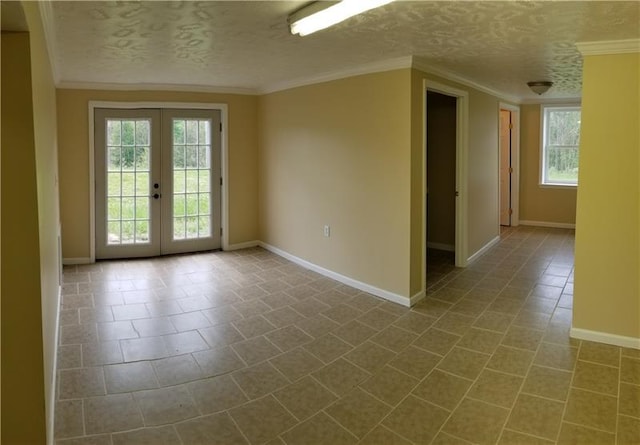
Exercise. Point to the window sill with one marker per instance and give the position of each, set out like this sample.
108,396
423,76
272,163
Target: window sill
558,186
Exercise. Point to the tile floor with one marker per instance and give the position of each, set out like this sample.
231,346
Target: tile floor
247,348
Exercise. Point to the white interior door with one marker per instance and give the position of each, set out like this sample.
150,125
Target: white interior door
158,180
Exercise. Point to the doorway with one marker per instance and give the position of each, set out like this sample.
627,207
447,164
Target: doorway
158,179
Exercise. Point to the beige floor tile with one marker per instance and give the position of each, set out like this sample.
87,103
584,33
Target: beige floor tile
101,439
216,394
176,370
454,323
628,352
310,307
317,325
437,341
370,356
216,429
433,308
496,388
69,356
480,340
305,397
629,400
600,353
97,354
556,356
383,436
469,307
68,419
536,416
262,420
220,315
628,430
148,348
184,343
341,376
222,334
342,313
522,338
414,322
447,439
594,377
394,338
254,326
81,333
443,389
150,327
378,318
81,382
415,362
464,363
319,430
532,320
283,316
296,364
389,385
166,405
358,412
327,348
217,361
506,306
547,382
476,421
164,435
417,420
127,377
255,350
571,434
630,370
118,412
259,380
591,409
515,438
288,338
354,332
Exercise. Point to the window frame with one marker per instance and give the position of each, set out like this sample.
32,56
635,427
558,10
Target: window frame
544,110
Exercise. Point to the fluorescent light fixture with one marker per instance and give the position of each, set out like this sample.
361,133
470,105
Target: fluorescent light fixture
318,16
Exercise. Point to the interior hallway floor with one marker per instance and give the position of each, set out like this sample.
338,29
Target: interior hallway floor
246,347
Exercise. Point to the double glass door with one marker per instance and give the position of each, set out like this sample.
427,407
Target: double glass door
157,177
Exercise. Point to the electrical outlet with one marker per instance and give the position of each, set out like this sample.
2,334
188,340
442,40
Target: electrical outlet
327,230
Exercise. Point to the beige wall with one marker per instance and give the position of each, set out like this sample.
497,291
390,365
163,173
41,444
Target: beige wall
441,169
607,281
73,142
540,204
338,153
23,389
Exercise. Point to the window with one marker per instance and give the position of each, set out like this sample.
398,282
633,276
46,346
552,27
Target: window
560,143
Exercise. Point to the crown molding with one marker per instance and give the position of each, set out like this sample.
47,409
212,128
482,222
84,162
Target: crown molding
423,66
155,87
46,15
369,68
609,47
553,101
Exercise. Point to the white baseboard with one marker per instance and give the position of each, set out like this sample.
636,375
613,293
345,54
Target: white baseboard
417,297
74,261
551,224
54,383
245,245
442,246
483,250
393,297
604,337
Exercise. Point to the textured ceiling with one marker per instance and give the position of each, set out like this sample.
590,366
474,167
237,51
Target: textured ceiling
246,44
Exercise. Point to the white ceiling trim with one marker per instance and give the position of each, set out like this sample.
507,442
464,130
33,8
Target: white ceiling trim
369,68
609,47
155,87
422,65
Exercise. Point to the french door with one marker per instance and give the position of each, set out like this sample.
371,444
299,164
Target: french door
157,177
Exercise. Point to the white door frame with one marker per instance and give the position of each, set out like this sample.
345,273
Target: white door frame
462,155
515,162
224,154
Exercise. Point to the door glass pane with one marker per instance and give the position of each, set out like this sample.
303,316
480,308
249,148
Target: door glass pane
191,175
128,203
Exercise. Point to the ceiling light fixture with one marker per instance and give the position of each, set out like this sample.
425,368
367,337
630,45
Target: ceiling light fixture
317,15
540,86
